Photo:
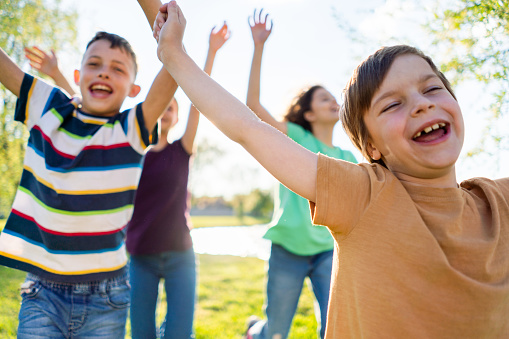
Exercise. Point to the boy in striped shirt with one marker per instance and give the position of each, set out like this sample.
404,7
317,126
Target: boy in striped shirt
80,173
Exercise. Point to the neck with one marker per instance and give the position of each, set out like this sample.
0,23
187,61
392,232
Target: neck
323,133
441,180
162,142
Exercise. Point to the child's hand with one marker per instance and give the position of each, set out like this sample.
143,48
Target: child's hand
161,17
169,30
217,39
41,61
259,28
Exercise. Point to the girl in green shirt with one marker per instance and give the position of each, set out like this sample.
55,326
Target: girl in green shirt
299,249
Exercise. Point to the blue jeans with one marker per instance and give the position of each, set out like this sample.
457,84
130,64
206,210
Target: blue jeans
52,309
286,275
178,269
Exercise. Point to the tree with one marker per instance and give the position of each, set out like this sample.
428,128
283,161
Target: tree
257,203
475,37
25,23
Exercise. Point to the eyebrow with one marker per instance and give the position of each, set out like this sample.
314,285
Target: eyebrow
114,61
424,78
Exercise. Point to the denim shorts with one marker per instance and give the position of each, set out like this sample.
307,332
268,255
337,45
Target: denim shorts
51,309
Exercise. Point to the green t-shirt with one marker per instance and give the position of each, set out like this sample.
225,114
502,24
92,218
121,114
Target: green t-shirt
291,225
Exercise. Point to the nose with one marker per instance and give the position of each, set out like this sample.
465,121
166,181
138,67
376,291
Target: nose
103,73
422,104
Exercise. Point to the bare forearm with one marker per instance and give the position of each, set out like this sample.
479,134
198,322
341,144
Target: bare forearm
61,81
159,96
11,76
150,8
289,162
208,96
253,90
209,62
194,115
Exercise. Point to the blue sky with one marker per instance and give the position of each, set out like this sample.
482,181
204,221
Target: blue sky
309,44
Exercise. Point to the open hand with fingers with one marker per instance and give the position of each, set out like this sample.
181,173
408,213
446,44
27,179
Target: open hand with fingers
259,28
217,39
42,61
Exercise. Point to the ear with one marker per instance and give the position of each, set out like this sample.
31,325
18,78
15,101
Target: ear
373,151
77,77
309,116
135,89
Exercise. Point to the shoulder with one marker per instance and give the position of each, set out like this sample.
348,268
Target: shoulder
333,173
479,184
295,130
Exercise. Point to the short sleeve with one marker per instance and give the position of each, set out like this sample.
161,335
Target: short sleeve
133,123
36,98
342,194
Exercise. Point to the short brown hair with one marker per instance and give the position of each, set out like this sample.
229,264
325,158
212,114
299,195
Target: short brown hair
116,41
362,86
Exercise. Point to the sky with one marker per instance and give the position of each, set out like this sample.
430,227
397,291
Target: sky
312,42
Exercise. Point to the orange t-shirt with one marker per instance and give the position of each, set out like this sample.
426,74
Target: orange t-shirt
413,261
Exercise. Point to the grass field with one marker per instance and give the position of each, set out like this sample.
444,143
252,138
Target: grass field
230,289
225,220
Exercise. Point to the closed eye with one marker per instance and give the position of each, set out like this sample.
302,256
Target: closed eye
432,89
390,106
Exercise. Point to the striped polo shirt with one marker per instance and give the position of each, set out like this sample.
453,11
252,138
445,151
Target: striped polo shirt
77,189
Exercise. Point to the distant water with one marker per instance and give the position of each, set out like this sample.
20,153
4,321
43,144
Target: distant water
242,241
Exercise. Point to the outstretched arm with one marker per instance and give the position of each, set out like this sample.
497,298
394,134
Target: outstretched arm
216,41
48,64
150,8
290,163
260,34
11,76
164,87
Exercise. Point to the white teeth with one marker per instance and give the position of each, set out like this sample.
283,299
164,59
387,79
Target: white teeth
430,128
101,87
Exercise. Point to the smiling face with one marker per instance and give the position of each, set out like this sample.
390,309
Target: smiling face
106,78
414,123
324,108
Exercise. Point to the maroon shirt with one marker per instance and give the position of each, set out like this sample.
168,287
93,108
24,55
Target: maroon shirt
160,218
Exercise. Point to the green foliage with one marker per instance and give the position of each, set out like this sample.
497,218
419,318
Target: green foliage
474,36
10,300
257,203
25,23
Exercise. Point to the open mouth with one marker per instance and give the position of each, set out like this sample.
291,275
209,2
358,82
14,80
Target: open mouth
431,133
100,89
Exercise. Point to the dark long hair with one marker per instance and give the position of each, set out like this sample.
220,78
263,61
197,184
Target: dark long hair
300,105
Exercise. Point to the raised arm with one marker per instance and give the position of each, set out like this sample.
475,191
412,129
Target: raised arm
216,41
11,76
150,8
48,64
260,34
290,163
164,87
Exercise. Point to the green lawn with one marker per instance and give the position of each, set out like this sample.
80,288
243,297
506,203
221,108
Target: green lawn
230,289
225,220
